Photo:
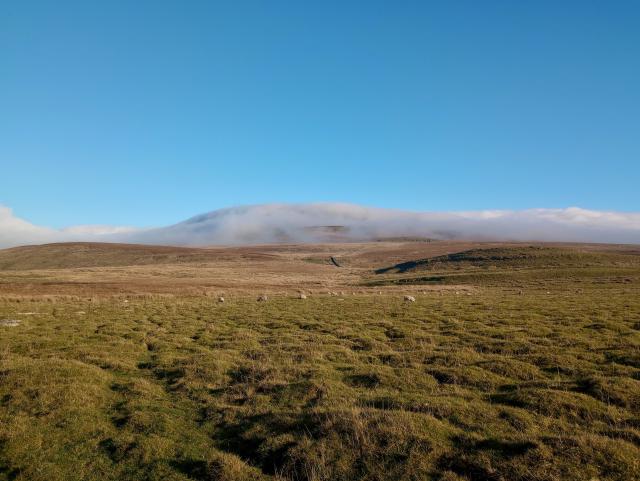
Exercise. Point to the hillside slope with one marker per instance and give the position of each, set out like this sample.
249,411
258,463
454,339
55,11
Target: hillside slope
520,256
95,254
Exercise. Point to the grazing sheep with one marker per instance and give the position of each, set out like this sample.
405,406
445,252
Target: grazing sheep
302,296
9,322
409,299
220,299
263,299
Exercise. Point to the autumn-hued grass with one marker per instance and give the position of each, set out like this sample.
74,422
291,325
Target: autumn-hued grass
528,371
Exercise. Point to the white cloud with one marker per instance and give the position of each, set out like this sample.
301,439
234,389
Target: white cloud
90,230
302,223
15,231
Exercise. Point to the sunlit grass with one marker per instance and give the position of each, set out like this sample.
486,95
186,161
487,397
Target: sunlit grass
529,378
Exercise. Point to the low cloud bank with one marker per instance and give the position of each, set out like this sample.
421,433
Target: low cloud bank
15,231
343,222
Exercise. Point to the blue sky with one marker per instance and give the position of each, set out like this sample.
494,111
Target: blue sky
149,112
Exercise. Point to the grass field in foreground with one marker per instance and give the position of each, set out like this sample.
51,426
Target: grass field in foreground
540,381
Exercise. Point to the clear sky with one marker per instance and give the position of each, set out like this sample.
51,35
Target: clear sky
148,112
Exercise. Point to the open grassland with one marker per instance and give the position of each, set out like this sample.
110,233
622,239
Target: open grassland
514,363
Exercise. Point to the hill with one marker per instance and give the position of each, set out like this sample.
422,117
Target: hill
516,265
96,254
523,256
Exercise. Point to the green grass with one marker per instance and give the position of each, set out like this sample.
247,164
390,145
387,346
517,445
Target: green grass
496,385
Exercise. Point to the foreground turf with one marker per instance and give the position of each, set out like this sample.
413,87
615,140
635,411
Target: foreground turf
515,363
543,385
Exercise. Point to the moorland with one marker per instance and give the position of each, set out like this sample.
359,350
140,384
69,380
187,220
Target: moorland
516,361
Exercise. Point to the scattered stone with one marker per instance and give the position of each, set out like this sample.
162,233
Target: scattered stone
263,299
9,322
409,299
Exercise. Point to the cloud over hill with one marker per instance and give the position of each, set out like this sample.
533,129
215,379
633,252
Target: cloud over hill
321,222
